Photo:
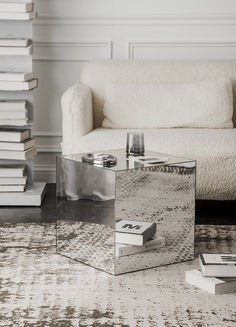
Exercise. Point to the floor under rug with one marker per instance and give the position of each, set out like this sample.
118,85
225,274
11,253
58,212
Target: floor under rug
41,289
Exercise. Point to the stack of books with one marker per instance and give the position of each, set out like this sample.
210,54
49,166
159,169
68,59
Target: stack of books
217,273
16,144
13,112
133,237
15,47
12,178
17,81
17,10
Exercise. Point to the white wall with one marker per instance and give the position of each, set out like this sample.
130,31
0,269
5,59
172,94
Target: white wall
67,33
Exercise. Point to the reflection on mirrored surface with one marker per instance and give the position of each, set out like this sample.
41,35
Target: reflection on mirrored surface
89,243
91,200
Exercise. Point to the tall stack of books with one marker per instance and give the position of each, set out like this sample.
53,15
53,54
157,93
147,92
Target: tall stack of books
16,144
217,273
133,237
17,147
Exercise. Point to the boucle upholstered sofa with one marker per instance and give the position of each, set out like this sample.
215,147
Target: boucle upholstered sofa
214,149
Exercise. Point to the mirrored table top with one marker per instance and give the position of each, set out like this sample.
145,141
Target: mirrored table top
125,162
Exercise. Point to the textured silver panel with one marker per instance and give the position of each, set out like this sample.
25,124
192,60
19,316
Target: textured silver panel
90,243
164,194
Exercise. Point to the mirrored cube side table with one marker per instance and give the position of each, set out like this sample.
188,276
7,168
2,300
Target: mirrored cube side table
91,200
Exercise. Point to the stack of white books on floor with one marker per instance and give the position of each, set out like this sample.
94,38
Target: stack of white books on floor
13,112
217,273
15,47
17,81
16,144
17,10
133,237
16,116
12,178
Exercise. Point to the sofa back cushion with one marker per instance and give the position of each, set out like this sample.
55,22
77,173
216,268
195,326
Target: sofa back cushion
204,104
97,74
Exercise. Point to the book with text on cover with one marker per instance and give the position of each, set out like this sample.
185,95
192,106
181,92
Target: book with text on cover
212,285
126,249
134,232
218,265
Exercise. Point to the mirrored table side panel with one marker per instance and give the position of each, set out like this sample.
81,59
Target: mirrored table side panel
164,195
85,214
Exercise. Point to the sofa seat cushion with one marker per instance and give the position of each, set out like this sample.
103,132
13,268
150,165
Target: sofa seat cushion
214,150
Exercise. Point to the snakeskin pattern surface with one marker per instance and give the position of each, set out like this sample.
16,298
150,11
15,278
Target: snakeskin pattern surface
166,196
163,194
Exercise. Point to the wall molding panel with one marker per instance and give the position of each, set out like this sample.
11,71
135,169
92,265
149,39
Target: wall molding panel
48,142
72,51
146,19
45,168
149,46
45,172
48,148
47,134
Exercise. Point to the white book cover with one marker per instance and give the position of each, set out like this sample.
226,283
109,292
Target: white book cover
12,188
16,6
14,122
17,146
16,76
10,114
210,284
12,171
14,135
18,155
134,232
16,51
14,42
13,180
218,265
18,86
13,105
122,250
17,15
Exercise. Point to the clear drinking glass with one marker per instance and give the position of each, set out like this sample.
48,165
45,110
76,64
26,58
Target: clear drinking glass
135,144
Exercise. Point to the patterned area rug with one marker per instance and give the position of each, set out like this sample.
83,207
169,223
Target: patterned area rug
39,288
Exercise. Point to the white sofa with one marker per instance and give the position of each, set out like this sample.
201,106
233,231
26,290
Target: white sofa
214,149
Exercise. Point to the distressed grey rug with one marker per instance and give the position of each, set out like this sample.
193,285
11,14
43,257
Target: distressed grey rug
41,289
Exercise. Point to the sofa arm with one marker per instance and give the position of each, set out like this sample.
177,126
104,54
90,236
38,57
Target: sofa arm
77,115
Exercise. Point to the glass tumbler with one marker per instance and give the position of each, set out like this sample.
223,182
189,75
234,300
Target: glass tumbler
135,144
